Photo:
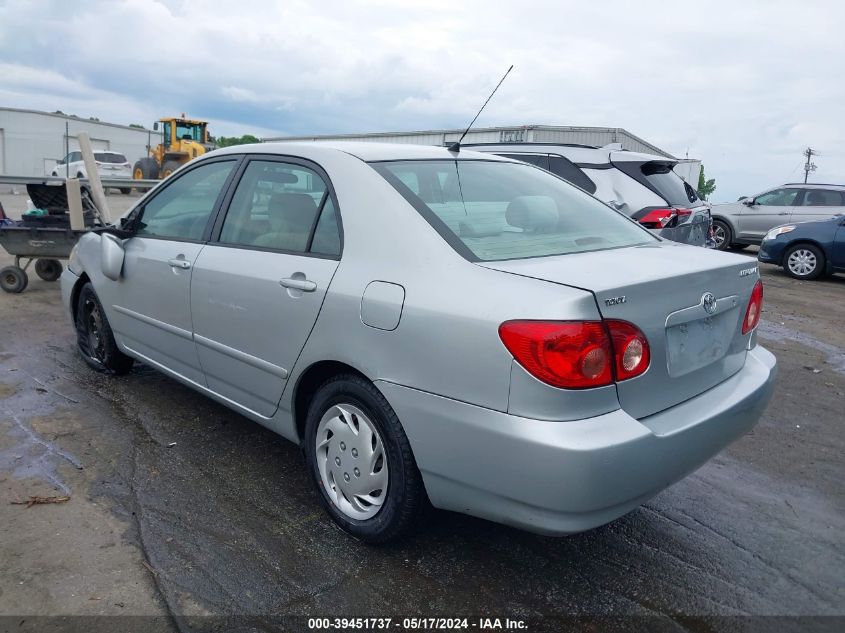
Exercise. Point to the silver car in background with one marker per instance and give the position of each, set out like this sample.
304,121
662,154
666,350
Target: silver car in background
642,186
738,224
431,326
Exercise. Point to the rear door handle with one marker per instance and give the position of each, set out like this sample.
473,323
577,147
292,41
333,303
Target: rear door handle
184,264
298,284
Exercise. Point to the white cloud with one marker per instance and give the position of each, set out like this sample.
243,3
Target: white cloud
736,84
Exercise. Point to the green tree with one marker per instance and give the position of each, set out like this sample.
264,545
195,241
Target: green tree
705,187
228,141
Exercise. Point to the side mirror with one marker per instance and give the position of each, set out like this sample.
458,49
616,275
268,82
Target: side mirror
111,256
155,126
748,202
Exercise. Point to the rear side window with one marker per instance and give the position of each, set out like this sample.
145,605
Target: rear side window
559,166
659,177
280,206
495,211
823,198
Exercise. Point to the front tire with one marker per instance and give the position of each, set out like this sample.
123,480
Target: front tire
361,462
803,261
94,335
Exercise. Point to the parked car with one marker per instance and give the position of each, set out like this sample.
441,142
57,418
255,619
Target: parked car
109,164
456,327
643,186
806,250
738,224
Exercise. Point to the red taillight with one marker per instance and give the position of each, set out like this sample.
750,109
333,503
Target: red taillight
660,218
577,354
755,307
630,348
569,354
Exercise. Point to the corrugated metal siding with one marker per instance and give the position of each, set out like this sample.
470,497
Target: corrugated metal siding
34,141
592,136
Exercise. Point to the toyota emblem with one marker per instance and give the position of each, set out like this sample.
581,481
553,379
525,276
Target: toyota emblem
708,300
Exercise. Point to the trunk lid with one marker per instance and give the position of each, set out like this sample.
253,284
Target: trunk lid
661,290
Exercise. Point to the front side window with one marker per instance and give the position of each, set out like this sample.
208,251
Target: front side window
495,211
777,198
282,206
823,198
181,211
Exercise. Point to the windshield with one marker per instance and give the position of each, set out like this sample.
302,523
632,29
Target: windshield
494,210
189,132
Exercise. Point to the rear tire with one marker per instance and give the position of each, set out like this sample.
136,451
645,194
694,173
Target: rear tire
804,261
13,279
145,169
94,336
169,167
341,484
722,235
126,190
48,269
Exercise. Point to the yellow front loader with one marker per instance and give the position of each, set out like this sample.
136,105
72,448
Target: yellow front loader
182,140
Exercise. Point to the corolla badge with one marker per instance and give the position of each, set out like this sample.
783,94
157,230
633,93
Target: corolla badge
708,300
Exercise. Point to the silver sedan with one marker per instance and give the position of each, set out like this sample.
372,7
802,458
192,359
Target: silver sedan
439,327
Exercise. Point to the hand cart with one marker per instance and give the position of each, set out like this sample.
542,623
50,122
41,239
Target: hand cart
43,239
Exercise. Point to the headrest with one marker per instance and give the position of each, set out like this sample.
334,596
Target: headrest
533,213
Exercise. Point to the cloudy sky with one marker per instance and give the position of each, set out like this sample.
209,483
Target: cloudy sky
745,86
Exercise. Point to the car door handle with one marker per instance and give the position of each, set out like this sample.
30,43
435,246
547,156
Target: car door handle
184,264
298,284
784,213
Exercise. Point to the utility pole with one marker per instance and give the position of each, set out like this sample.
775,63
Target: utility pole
808,167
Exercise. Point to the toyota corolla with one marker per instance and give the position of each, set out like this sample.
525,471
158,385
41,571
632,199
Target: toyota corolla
431,326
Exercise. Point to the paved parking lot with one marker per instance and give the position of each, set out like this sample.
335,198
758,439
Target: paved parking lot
179,506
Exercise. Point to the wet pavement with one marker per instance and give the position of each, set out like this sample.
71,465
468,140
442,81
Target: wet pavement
179,506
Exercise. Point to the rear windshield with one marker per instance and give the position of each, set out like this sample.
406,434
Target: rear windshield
102,157
660,178
494,211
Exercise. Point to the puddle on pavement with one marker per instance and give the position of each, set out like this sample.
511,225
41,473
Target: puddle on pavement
776,332
25,454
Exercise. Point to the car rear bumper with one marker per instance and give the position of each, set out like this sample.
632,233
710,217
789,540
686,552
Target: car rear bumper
562,477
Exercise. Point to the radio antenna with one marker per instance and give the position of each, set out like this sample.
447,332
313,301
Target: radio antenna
456,146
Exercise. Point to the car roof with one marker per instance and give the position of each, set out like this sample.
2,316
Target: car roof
813,185
365,151
574,152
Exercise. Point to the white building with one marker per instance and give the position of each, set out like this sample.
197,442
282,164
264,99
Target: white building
31,142
564,135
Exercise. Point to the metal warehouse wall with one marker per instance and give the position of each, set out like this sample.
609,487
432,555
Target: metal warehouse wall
594,136
31,142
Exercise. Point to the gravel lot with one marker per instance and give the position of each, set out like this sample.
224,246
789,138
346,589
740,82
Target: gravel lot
224,521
